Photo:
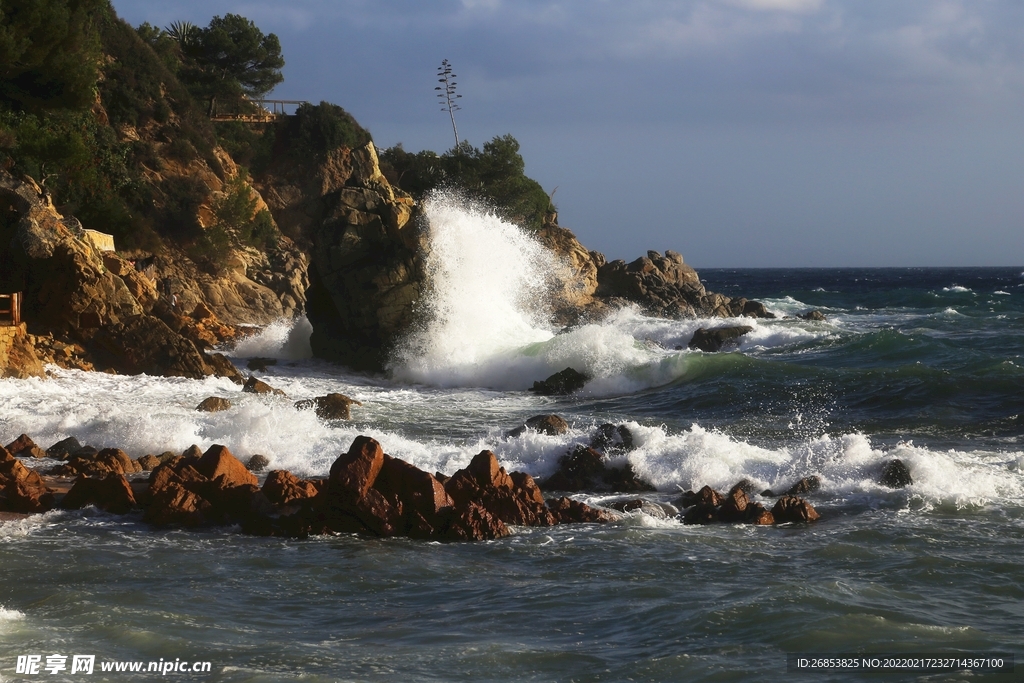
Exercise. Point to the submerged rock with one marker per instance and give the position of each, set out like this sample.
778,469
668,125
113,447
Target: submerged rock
257,463
609,437
213,404
584,469
111,493
561,383
793,509
552,425
648,507
255,386
896,475
812,315
329,407
717,338
806,485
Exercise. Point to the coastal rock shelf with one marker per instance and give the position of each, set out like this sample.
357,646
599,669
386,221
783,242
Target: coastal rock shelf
367,492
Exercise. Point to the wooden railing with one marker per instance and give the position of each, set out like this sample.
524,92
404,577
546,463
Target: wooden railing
10,309
259,111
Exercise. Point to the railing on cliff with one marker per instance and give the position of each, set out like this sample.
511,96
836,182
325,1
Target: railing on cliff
10,309
258,111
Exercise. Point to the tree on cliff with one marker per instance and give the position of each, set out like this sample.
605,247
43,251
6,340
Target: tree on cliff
49,53
229,58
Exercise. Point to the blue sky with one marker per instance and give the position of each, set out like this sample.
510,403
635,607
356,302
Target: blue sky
741,133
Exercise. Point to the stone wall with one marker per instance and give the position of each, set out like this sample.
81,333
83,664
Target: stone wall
7,336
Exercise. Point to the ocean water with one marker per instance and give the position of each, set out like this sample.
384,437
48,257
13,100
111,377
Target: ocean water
924,365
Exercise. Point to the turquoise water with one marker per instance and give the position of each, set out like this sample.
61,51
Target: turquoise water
920,364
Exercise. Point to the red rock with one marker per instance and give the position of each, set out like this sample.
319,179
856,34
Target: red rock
25,447
474,523
709,496
485,483
356,471
329,407
734,507
485,468
219,464
112,493
418,491
569,511
22,489
756,514
109,456
793,509
177,506
283,488
524,483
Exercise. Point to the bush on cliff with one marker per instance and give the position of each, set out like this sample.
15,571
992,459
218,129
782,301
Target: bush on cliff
494,175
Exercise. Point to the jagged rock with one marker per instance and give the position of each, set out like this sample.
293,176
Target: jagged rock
257,463
221,366
716,338
793,509
552,425
255,386
148,463
98,464
21,489
25,447
569,511
145,344
701,514
485,483
896,475
193,452
609,437
806,485
63,449
812,315
22,359
706,496
111,493
329,407
218,463
284,488
213,404
583,469
561,383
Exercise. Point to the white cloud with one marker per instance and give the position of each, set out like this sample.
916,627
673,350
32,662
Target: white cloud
779,5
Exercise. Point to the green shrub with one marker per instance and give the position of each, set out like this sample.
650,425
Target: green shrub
318,129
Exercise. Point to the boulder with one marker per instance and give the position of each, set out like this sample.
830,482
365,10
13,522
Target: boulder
257,463
706,496
561,383
63,449
145,344
25,447
329,407
255,386
512,500
793,509
283,488
218,463
21,489
609,437
569,511
895,475
806,485
552,425
213,404
583,469
648,507
148,463
221,366
717,338
111,493
812,315
260,364
174,505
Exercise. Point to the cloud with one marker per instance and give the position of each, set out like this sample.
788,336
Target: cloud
779,5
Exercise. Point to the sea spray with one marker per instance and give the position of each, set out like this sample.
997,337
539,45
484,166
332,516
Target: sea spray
286,339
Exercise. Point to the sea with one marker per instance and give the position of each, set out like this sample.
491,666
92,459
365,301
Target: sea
924,365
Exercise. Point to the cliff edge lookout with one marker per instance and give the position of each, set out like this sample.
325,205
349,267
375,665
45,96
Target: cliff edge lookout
10,309
258,111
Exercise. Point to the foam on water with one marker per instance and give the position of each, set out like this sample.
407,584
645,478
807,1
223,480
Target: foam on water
484,319
286,339
957,288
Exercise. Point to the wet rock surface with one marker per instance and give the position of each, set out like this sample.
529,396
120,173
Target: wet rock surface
718,338
561,383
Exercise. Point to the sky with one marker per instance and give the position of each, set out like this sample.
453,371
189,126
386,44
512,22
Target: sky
740,133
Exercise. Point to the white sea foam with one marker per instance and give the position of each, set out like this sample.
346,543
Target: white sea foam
283,339
7,615
1001,292
957,288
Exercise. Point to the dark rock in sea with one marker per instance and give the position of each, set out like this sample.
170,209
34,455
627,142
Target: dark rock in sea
706,496
768,493
329,407
701,514
648,507
111,493
793,509
192,451
552,425
21,489
63,449
583,469
609,437
896,475
561,383
255,386
513,500
733,508
214,404
86,452
260,364
569,511
104,462
744,485
812,315
806,485
717,338
25,447
257,463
